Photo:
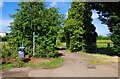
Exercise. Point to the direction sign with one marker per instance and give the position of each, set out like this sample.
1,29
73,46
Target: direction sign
36,36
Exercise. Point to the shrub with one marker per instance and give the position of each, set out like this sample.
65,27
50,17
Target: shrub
19,64
45,46
8,51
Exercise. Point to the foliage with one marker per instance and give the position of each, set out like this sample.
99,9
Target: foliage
74,26
7,50
7,66
109,14
60,37
34,17
100,37
4,39
19,64
78,27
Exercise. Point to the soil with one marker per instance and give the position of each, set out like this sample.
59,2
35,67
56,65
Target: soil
75,65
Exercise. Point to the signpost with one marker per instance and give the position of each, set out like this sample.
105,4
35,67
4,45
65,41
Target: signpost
34,36
33,44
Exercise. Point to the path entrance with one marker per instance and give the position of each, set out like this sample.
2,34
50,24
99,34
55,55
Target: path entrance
76,65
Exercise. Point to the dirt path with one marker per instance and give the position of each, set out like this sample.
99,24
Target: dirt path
76,65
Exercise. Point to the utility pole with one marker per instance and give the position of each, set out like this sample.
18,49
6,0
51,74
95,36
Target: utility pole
33,44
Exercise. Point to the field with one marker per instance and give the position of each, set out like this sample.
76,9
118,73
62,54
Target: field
104,43
100,44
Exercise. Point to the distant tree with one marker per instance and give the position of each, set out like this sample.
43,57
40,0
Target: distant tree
100,37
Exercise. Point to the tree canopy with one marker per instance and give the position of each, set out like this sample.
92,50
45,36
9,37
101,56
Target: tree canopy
109,14
34,17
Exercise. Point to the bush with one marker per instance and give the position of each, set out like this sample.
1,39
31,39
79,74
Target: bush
75,45
45,47
8,51
4,38
19,64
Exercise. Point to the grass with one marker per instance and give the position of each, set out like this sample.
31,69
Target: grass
62,45
100,59
103,43
7,66
103,60
100,43
57,62
30,65
107,41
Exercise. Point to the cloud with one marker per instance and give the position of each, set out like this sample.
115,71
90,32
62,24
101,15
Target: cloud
4,24
1,4
53,4
66,14
95,15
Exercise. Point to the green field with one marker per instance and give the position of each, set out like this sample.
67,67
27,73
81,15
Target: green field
100,44
104,43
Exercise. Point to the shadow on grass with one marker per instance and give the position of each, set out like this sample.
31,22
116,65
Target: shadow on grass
60,48
103,50
59,55
107,51
26,60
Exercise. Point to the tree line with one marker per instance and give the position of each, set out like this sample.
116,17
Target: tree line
48,24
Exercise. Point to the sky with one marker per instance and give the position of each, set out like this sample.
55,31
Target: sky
8,8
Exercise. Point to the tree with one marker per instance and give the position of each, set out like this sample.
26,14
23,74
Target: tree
109,14
26,21
34,17
74,26
78,28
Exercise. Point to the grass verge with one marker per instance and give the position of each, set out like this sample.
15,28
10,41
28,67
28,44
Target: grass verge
57,62
100,59
7,66
54,63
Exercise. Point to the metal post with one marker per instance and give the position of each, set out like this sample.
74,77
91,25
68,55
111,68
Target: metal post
22,44
33,44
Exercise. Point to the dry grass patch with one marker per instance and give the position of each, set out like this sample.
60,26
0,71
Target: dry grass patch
100,58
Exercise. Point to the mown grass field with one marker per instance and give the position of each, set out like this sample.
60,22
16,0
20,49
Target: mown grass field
104,43
100,44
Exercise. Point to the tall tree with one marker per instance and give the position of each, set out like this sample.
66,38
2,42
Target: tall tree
109,14
74,26
90,36
78,28
34,17
26,21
